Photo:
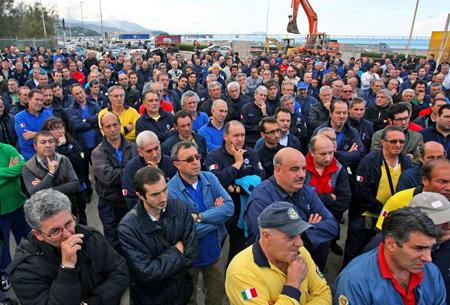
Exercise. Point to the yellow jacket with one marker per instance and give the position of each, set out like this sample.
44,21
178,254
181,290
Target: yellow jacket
399,200
128,116
251,269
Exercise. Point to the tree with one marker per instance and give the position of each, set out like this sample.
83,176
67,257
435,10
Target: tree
25,20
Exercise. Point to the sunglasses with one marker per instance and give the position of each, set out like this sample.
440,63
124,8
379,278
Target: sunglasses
192,158
396,141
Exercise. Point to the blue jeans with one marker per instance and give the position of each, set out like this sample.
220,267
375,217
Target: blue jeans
15,222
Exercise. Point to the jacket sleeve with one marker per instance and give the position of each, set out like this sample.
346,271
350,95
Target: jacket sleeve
318,288
346,291
76,121
313,119
115,272
28,178
190,241
31,289
147,268
226,175
128,187
72,186
103,170
14,171
218,215
327,228
258,200
342,191
376,142
365,187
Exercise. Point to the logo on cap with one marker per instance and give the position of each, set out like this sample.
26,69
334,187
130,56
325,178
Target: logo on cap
292,214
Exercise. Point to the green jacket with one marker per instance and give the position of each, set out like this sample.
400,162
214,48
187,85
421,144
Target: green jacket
11,195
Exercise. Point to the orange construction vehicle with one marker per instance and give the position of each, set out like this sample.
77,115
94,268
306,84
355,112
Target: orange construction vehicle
316,42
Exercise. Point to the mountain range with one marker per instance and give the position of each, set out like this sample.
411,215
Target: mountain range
112,26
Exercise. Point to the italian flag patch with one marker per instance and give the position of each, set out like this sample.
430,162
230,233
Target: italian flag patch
359,178
249,294
213,167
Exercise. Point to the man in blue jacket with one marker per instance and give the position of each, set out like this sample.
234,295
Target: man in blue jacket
399,271
210,206
28,122
287,184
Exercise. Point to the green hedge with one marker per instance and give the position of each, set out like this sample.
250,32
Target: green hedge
189,47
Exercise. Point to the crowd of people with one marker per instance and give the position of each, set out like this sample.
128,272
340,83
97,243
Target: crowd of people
184,152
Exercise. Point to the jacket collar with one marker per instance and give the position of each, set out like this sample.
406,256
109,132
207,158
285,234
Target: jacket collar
146,223
258,255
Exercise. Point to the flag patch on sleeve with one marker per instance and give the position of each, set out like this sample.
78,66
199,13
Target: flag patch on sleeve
249,294
359,178
213,167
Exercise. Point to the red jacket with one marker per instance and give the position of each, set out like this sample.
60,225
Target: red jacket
322,183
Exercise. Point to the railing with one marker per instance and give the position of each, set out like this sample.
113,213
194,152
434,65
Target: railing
23,43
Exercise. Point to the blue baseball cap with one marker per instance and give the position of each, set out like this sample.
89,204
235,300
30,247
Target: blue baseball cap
281,215
302,85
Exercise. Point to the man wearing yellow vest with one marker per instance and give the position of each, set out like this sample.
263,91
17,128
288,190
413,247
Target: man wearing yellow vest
435,178
277,269
376,178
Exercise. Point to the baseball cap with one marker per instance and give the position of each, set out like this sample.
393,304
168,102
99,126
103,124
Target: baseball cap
282,216
302,85
435,205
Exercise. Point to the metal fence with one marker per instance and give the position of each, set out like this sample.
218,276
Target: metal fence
23,43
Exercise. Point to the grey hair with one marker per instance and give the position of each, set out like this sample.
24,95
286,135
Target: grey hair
217,102
43,205
111,89
145,137
233,85
214,84
260,88
387,94
373,81
285,98
182,144
187,94
210,77
287,82
240,75
324,88
325,129
408,90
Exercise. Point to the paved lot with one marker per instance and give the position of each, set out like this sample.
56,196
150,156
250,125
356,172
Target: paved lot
330,272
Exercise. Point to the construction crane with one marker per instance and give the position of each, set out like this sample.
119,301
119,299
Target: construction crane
316,42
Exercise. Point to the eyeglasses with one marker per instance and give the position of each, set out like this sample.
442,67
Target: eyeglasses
192,158
347,91
272,132
396,141
57,127
56,233
401,119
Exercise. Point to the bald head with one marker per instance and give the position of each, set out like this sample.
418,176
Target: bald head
109,117
430,151
287,154
320,142
290,169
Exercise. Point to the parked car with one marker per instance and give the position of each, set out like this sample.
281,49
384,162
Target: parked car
223,50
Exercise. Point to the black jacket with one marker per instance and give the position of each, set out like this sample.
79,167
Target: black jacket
368,179
161,127
7,131
159,271
100,276
108,171
318,115
378,116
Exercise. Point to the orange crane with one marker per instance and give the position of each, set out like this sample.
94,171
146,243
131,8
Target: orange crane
316,42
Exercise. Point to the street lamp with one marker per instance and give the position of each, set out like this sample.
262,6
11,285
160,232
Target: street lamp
101,19
43,19
82,19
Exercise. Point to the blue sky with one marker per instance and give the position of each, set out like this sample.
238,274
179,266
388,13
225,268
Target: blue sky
352,17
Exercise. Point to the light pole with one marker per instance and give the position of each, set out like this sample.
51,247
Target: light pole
43,19
101,19
82,19
412,28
